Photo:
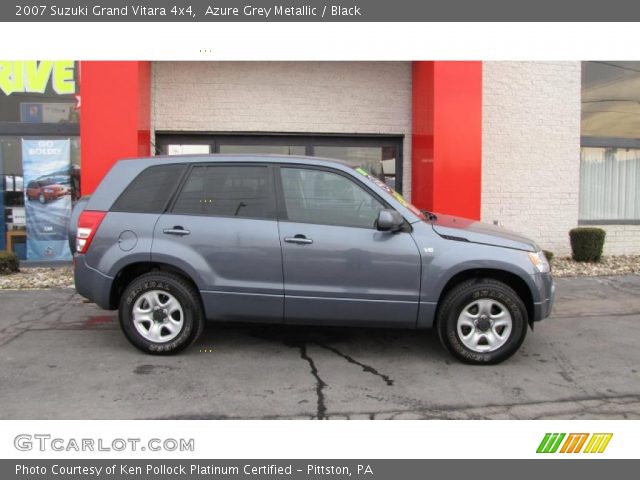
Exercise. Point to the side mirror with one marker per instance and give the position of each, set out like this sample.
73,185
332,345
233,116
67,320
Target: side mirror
389,221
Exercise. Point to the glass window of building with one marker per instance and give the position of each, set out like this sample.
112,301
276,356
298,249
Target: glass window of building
379,154
39,156
379,161
610,144
264,149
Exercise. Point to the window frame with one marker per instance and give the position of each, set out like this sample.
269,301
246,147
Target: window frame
276,190
174,198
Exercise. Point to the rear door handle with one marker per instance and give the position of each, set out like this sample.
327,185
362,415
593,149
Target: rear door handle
177,230
301,239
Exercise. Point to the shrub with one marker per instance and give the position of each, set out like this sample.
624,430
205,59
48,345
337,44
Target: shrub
9,262
548,254
587,244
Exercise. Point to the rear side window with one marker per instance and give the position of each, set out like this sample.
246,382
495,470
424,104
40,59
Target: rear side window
150,190
228,191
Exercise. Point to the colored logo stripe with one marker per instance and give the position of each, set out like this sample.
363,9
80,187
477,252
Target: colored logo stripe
550,443
574,443
597,443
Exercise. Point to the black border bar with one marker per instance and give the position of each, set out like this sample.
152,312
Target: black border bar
320,11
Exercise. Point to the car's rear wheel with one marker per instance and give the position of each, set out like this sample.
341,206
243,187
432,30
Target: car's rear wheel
42,198
482,321
160,313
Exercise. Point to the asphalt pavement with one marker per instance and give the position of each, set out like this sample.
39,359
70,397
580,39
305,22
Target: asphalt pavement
64,358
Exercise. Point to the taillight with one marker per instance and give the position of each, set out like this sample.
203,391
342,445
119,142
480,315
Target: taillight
88,224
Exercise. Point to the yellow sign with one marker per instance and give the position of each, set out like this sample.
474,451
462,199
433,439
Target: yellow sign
34,76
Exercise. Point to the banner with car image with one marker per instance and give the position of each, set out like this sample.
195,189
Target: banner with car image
46,165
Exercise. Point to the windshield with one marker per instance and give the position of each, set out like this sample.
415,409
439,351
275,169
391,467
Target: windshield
391,192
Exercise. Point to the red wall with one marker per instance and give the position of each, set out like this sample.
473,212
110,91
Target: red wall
447,137
447,128
115,116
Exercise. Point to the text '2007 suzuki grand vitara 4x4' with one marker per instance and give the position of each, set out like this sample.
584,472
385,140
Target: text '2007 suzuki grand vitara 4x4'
174,241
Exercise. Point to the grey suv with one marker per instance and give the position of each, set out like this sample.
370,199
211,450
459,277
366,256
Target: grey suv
174,241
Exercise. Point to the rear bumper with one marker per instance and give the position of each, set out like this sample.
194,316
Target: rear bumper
546,293
92,284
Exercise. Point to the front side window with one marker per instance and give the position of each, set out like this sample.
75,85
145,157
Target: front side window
323,197
228,191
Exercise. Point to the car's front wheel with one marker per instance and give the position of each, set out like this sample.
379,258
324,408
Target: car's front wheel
482,321
160,313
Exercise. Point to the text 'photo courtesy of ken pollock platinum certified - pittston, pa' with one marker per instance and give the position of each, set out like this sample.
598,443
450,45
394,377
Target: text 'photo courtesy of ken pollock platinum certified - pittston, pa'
124,469
187,10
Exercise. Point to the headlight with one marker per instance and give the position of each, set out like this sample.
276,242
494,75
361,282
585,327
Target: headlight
540,261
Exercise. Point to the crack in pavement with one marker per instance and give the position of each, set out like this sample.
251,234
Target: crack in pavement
302,345
365,368
466,412
49,316
321,413
26,320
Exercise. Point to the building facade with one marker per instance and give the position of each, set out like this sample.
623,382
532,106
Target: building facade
537,147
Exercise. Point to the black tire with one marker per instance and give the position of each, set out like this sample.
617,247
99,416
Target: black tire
188,298
42,198
465,294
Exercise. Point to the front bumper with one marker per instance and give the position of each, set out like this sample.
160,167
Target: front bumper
544,297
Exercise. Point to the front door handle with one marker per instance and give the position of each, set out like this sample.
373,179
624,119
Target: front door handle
301,239
177,230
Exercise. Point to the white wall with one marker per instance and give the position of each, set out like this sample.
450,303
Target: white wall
531,125
621,239
531,149
302,97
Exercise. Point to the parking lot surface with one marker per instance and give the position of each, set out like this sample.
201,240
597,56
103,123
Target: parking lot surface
63,358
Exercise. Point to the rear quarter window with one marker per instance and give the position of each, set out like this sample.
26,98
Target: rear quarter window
149,192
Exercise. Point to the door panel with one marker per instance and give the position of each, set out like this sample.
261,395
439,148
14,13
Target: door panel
337,268
223,231
350,276
238,263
